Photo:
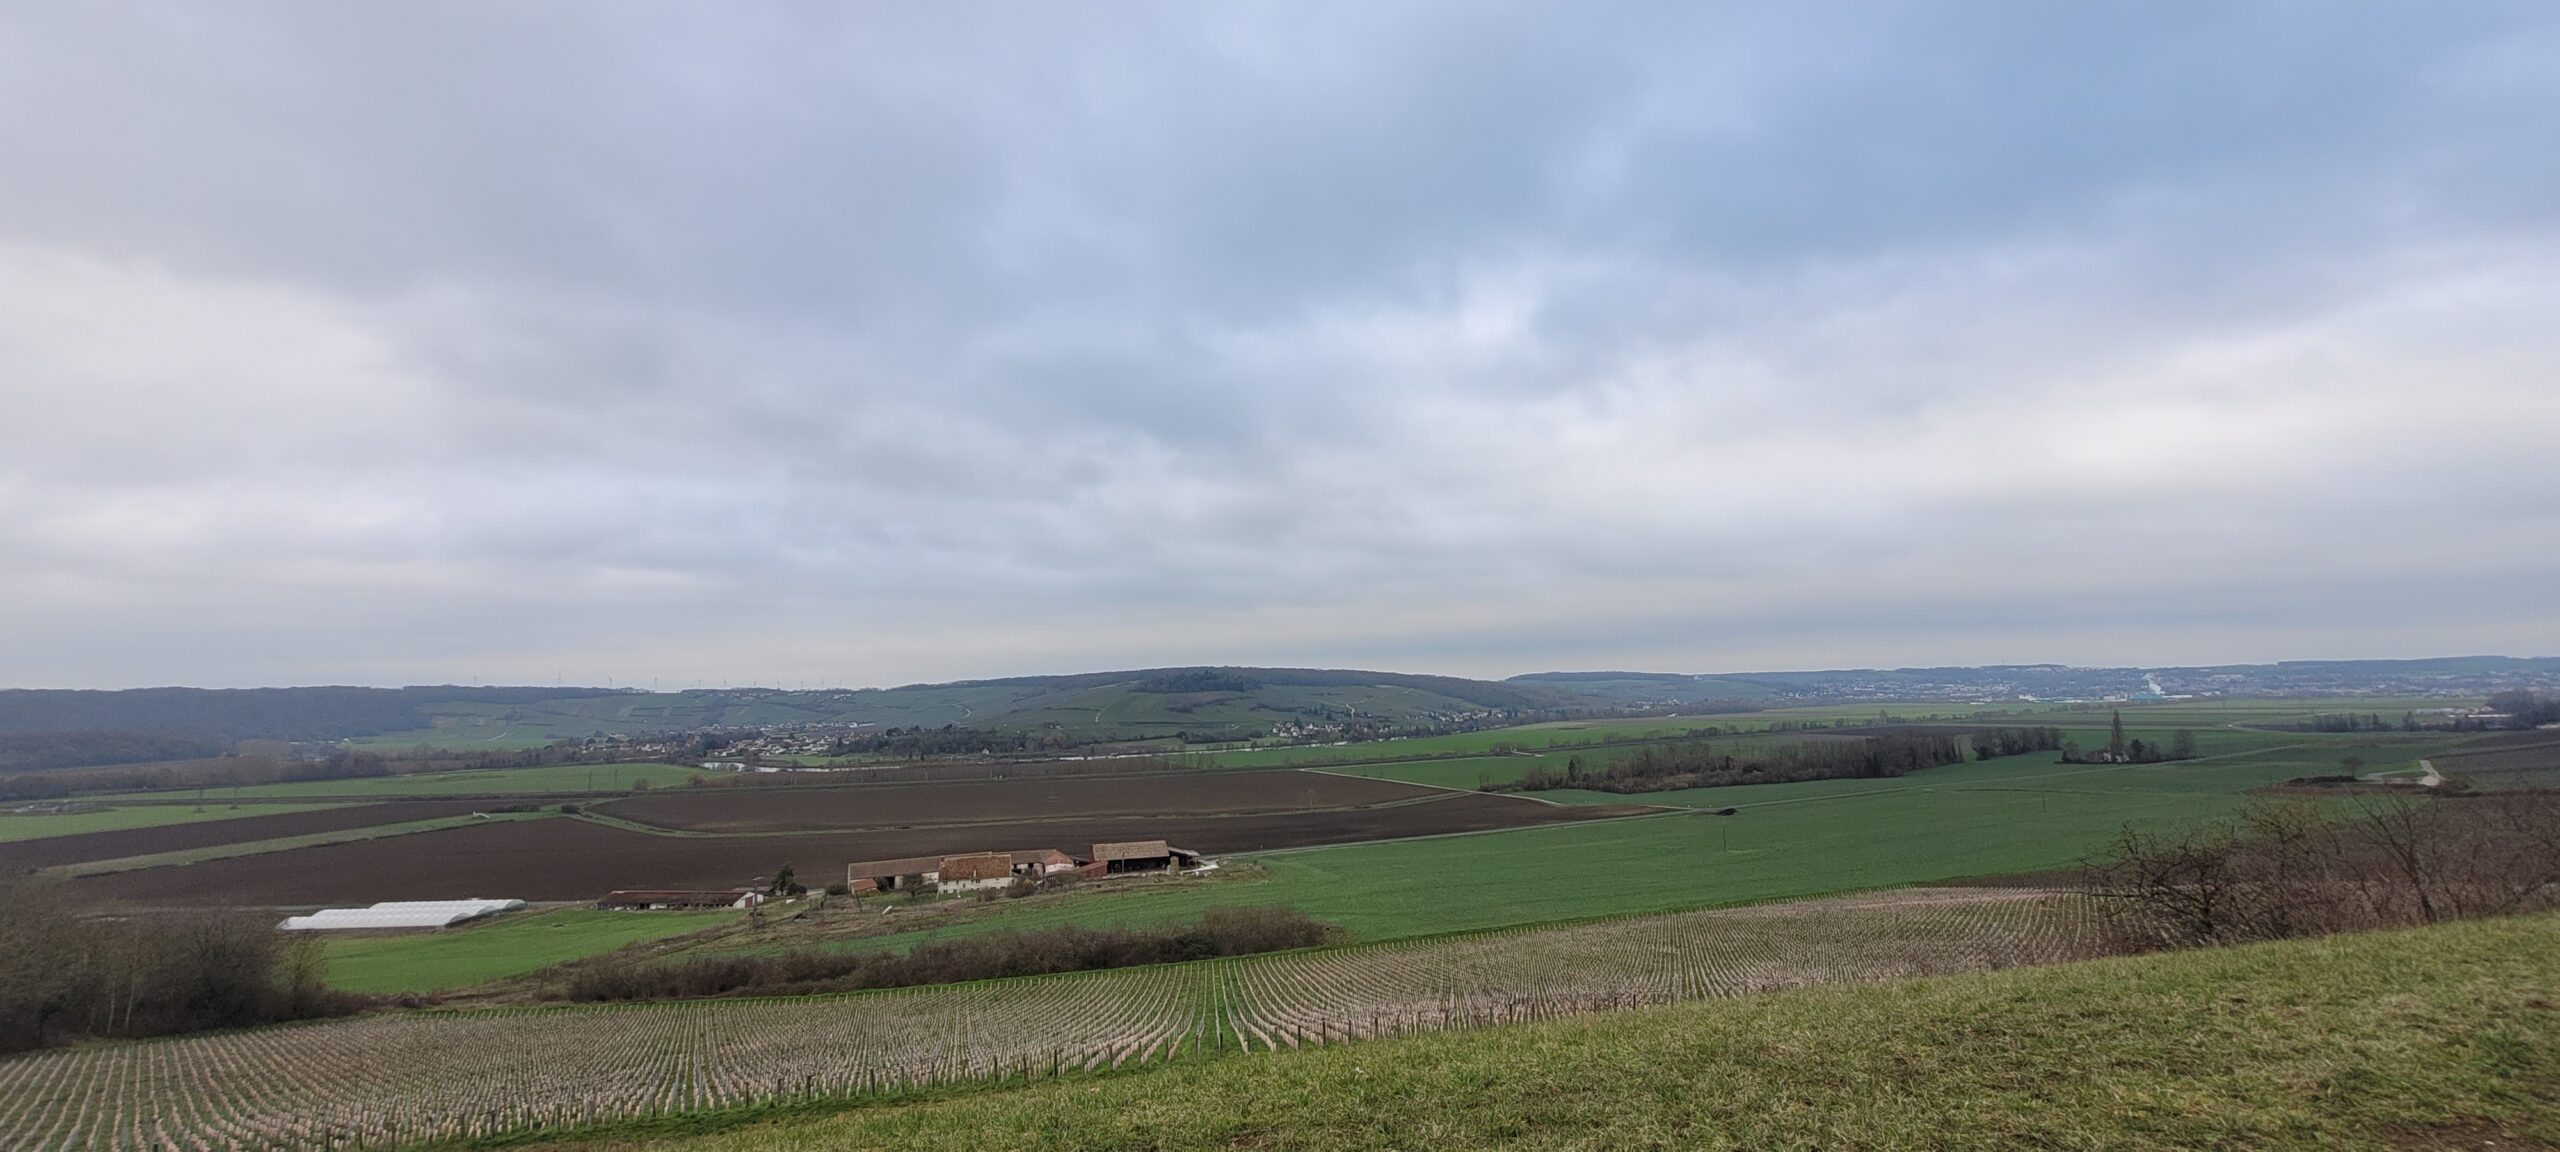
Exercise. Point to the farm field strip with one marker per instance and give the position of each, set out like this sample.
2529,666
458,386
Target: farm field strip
16,827
561,779
245,826
399,1079
282,844
1031,798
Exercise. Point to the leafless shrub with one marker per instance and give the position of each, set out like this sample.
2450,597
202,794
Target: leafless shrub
2297,868
1220,932
63,976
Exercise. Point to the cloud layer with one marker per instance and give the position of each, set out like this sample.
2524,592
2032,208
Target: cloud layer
812,344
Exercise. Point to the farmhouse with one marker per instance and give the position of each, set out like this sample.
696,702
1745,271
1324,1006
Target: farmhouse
660,899
1141,856
956,873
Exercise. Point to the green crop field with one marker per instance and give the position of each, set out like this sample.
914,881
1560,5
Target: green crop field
1794,839
506,945
1804,838
549,778
1476,771
40,825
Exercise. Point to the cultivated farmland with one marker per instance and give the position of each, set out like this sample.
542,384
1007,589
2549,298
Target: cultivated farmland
243,829
1022,799
397,1079
577,859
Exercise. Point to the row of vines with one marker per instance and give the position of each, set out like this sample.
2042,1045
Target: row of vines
407,1078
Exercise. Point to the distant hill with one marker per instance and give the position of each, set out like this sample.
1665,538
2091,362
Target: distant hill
51,727
1136,704
2445,676
317,713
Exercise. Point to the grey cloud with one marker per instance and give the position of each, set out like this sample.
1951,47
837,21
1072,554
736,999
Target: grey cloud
891,343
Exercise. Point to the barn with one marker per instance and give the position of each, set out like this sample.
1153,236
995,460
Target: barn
1141,856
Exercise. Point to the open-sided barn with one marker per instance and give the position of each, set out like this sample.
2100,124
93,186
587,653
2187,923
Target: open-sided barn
662,898
1142,856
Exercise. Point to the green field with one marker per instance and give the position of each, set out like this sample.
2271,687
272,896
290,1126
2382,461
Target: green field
1796,839
2017,814
507,945
2437,1038
2211,720
1475,771
549,778
38,826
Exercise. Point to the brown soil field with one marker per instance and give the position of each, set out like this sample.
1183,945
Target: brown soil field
89,846
571,859
881,806
2535,749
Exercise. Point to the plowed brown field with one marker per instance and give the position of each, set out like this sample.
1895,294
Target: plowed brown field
123,842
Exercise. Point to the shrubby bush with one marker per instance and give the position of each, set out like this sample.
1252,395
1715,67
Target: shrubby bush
2303,867
67,977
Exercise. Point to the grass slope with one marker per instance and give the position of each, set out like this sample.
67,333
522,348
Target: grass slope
509,945
2437,1038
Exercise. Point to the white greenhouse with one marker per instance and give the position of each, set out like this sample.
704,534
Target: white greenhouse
399,914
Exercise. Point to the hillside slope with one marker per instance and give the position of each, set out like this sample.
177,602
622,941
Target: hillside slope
2447,1037
1133,704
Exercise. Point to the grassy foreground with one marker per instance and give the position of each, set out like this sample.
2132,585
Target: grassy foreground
2438,1038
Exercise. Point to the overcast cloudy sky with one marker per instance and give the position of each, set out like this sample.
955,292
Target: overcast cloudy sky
866,344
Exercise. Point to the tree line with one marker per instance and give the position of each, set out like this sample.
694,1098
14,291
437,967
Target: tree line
2526,708
1665,767
2135,750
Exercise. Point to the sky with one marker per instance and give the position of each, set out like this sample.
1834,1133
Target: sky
853,344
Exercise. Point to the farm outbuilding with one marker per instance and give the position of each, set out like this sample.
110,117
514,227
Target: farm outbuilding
959,872
1142,856
661,899
976,870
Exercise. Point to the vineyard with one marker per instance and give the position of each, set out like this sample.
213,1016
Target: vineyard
405,1078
